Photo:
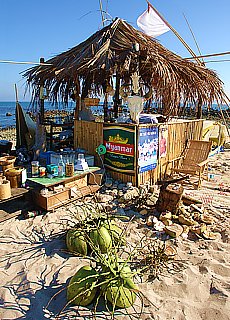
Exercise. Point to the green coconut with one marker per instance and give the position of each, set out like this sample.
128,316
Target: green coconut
115,232
121,292
75,242
101,238
81,290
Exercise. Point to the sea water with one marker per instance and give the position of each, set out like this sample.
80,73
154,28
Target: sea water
9,107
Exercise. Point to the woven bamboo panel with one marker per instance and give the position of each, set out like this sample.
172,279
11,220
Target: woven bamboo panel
178,134
150,176
123,177
88,135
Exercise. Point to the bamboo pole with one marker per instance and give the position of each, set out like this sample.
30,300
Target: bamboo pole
209,55
176,33
18,133
102,15
194,38
25,62
41,99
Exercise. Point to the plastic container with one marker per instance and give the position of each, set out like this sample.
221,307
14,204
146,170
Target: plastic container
42,172
52,169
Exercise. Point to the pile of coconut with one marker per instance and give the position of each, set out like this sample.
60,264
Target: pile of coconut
114,265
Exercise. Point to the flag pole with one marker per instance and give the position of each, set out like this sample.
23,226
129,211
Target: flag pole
176,33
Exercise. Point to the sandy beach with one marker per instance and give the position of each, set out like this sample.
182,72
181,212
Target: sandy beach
35,265
110,97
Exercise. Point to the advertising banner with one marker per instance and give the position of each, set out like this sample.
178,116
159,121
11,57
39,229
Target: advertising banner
163,138
120,148
147,148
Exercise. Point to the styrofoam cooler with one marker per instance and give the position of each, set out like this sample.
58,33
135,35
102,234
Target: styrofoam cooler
90,160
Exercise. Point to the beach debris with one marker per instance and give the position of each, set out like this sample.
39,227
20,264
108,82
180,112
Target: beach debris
33,213
187,221
209,235
143,212
188,200
206,219
174,230
154,257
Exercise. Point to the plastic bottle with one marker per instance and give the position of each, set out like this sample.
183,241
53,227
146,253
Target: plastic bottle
61,167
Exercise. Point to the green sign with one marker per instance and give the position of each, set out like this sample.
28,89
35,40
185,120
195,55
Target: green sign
120,148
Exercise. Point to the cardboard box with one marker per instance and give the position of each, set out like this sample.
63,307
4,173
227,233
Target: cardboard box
95,178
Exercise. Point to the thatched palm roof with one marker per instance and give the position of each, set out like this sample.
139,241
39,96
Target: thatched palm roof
93,62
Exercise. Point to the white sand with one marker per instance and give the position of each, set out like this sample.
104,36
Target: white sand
34,265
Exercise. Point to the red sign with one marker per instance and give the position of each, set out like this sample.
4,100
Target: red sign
119,148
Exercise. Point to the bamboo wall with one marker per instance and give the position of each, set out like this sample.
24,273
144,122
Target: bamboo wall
89,135
178,134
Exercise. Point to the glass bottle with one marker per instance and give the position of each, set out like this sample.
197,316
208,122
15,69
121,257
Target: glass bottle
61,167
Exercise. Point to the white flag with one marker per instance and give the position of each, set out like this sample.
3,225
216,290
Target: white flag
151,24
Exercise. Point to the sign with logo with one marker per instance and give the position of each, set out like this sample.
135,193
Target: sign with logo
120,148
147,148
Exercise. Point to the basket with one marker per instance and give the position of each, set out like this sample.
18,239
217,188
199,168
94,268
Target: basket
14,175
91,102
7,162
5,191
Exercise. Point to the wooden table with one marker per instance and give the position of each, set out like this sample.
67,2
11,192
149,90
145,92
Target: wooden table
45,182
15,193
8,206
74,188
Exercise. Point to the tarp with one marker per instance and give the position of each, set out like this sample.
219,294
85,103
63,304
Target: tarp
25,129
215,132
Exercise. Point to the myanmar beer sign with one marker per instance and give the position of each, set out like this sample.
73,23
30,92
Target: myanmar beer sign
120,148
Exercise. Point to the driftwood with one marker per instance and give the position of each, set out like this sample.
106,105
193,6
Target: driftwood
170,195
169,198
188,200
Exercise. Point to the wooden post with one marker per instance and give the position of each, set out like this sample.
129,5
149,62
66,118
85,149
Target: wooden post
77,107
105,106
77,98
199,109
117,100
41,99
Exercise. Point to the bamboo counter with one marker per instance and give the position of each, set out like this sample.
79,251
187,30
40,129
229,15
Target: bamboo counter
137,153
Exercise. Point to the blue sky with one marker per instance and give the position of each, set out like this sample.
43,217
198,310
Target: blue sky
33,29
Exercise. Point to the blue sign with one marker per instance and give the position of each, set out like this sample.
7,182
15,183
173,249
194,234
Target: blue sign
147,148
